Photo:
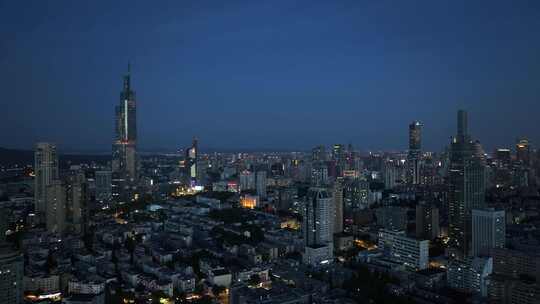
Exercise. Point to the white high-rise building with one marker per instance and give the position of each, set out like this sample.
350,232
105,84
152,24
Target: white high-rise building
488,230
317,228
46,170
408,251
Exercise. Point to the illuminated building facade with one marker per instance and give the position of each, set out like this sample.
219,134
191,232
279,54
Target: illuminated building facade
523,152
46,171
317,226
414,155
488,230
249,201
124,157
192,157
466,178
56,207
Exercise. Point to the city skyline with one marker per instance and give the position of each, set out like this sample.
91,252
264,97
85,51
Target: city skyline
235,86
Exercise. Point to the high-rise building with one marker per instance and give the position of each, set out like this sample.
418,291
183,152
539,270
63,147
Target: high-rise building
247,180
338,206
56,207
103,185
318,154
523,152
192,157
319,174
414,155
11,275
317,214
124,158
261,184
488,230
77,203
466,178
392,218
470,274
427,221
411,252
46,171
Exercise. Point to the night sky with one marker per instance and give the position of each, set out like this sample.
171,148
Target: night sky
269,74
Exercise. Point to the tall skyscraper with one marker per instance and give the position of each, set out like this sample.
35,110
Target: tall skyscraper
317,214
46,170
124,158
192,157
466,177
338,206
56,207
488,230
318,154
414,155
11,275
523,152
77,203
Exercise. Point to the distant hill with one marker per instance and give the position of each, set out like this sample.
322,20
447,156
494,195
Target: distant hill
10,157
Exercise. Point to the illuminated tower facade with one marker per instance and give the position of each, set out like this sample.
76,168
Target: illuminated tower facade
125,143
192,154
46,171
414,155
466,177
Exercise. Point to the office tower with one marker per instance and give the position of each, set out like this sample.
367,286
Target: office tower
414,155
103,185
466,178
408,251
470,274
124,158
46,170
11,275
357,194
318,154
247,180
338,156
192,157
488,230
77,203
393,171
261,184
319,174
392,218
338,206
503,158
516,276
427,221
523,152
317,215
56,207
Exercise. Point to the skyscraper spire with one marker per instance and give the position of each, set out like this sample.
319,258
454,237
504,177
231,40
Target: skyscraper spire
127,77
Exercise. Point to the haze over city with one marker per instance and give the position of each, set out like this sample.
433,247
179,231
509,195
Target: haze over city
269,152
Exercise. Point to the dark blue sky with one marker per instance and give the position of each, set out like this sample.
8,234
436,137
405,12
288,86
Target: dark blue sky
272,74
